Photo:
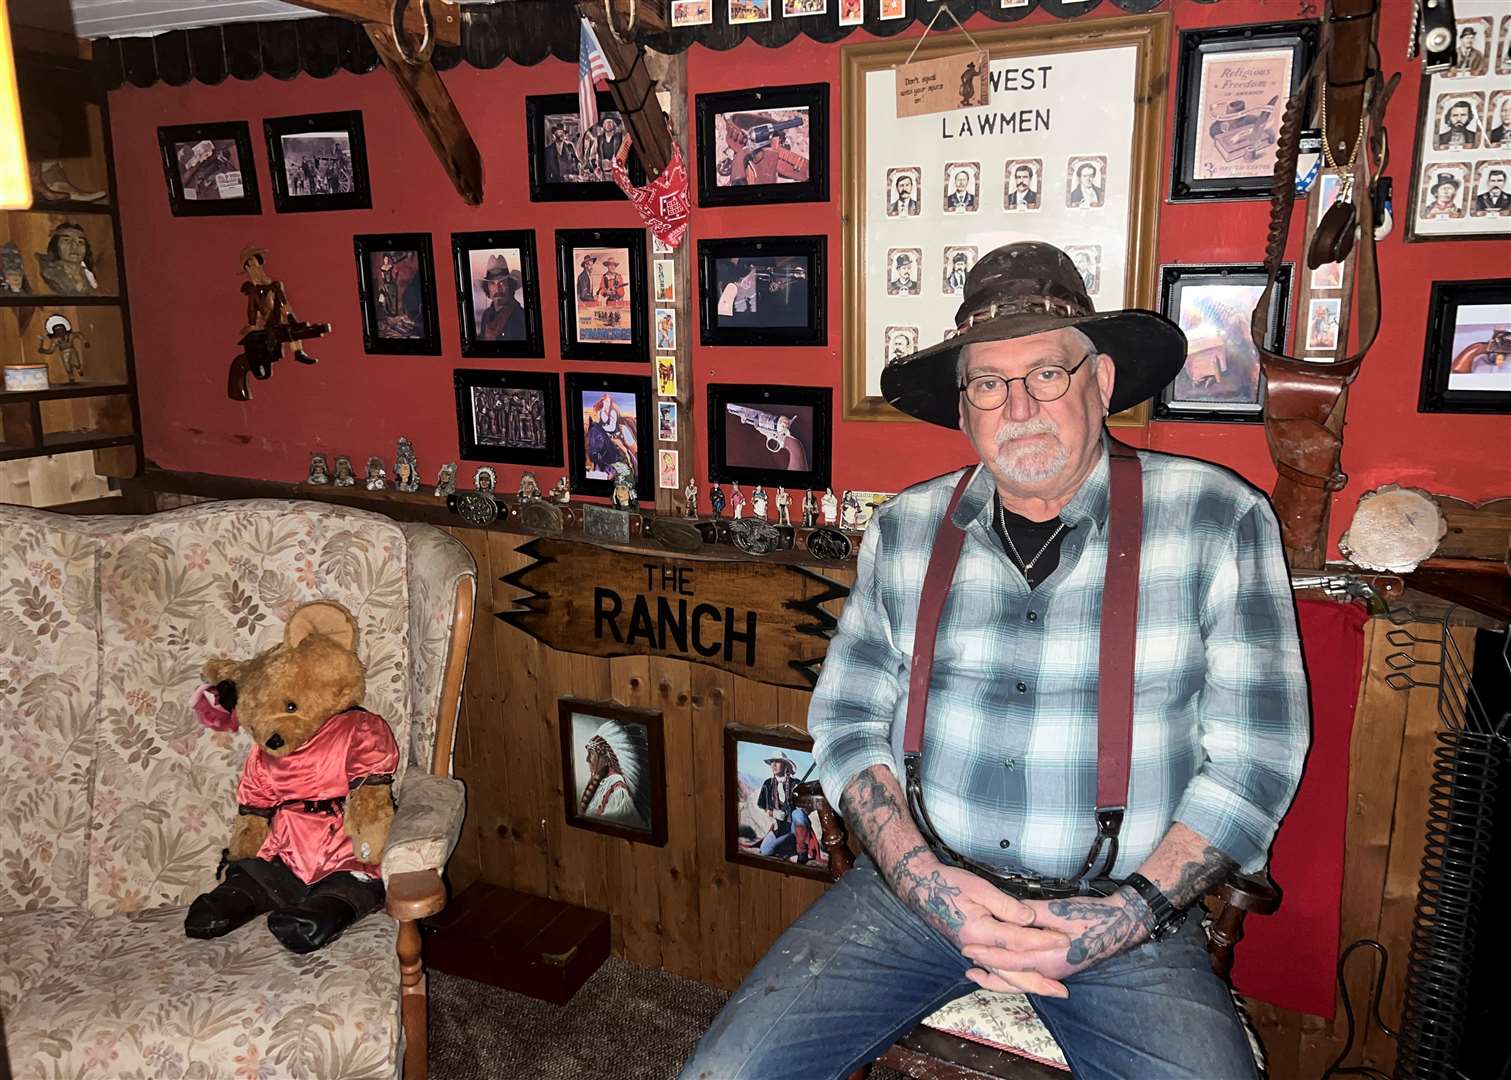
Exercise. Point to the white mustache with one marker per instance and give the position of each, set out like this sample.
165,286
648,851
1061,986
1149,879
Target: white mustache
1011,430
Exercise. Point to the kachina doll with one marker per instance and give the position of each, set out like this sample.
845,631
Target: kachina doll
318,471
344,475
63,339
406,470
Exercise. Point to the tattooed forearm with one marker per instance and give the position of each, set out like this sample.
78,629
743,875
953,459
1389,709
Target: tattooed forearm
869,807
929,895
1199,875
1109,928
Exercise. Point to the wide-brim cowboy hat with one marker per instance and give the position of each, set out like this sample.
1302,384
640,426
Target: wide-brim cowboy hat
782,757
1032,288
251,251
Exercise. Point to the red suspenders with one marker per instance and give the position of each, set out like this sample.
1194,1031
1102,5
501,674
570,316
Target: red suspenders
1115,668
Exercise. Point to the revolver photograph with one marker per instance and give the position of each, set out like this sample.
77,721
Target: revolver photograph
777,431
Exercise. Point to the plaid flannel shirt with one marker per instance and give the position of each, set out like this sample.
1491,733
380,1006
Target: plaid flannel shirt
1221,722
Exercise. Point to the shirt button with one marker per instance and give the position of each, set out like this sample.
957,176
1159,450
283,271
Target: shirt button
1023,688
1006,844
1010,763
1033,616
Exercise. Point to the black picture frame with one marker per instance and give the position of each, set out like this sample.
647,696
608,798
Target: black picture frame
475,445
1197,45
735,445
1447,341
414,299
174,138
575,716
526,269
1229,321
716,329
544,186
578,385
709,107
348,125
569,287
743,833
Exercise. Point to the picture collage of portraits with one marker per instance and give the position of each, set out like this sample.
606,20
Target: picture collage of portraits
1462,183
738,12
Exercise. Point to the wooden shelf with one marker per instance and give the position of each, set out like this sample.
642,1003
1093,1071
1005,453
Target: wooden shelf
65,442
100,206
66,390
59,300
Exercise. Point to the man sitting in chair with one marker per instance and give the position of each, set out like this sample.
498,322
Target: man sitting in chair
1002,849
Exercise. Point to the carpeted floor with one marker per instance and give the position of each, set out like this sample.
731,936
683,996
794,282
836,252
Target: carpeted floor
626,1023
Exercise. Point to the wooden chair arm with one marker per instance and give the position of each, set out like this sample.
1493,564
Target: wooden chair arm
415,894
1238,896
832,834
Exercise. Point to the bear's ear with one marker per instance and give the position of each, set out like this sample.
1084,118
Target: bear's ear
322,617
216,672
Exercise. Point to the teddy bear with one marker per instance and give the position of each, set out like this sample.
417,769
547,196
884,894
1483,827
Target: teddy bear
314,803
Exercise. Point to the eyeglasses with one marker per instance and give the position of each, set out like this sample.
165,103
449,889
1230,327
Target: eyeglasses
1047,383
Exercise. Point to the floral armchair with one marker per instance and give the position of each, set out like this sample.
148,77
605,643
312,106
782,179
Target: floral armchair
117,801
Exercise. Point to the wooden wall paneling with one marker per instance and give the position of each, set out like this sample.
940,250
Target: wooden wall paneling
577,854
719,884
681,867
639,865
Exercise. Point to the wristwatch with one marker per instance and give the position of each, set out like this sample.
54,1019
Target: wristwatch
1164,918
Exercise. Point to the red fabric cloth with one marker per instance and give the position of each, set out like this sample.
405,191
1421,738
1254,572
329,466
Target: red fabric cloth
663,203
347,747
1290,958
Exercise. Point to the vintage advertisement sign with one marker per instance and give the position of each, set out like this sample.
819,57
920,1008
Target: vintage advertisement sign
958,81
1238,112
765,622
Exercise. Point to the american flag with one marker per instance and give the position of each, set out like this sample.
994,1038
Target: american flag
592,65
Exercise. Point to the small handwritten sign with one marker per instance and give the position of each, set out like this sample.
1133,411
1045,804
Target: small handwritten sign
957,81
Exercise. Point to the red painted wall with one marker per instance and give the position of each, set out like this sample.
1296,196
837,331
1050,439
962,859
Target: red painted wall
187,308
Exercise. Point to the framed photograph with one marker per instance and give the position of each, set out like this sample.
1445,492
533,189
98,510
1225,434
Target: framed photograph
497,293
1322,320
773,435
318,162
209,169
613,769
508,416
1234,82
768,145
600,275
1069,147
1221,380
567,163
604,416
1467,367
396,283
762,291
1463,138
762,825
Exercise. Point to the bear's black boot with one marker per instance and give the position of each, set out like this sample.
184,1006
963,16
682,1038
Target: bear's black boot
236,901
333,904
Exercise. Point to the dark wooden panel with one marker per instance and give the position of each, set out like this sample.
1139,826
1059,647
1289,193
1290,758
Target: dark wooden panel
108,63
139,61
243,50
357,53
172,52
280,48
483,37
319,46
207,54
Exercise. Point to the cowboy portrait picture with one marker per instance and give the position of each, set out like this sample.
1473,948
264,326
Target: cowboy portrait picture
1503,52
1240,100
601,295
904,269
666,329
1022,188
1444,183
498,314
749,11
1322,314
899,342
766,146
1457,121
1086,182
962,187
575,156
767,826
613,770
1088,260
957,263
1473,49
508,417
318,163
1491,198
904,191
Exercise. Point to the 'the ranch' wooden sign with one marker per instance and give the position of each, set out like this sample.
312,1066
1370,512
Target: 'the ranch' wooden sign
765,622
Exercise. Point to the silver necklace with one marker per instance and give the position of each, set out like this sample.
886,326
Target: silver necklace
1029,565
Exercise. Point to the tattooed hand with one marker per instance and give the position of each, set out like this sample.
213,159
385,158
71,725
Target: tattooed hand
1096,927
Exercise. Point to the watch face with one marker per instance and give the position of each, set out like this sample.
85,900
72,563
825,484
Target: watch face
476,508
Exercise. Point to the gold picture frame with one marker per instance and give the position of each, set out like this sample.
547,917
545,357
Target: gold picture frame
1148,35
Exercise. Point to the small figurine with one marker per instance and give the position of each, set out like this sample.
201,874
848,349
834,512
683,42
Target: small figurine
716,501
690,493
783,505
68,263
344,475
849,516
736,501
406,470
377,476
624,487
485,479
831,506
63,339
561,492
810,509
269,329
758,503
529,488
318,473
445,484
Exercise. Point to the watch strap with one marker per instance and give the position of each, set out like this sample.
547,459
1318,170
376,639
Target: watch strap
1164,918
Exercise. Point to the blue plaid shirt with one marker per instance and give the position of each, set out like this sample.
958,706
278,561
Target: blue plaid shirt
1009,753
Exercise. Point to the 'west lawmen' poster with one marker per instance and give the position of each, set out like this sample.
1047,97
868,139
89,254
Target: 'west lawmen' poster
1052,158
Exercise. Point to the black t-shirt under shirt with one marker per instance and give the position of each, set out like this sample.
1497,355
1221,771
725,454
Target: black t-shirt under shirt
1029,536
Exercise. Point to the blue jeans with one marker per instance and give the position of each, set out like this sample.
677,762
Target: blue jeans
859,970
781,845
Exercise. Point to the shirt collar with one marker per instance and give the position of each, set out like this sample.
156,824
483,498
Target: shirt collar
1088,504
